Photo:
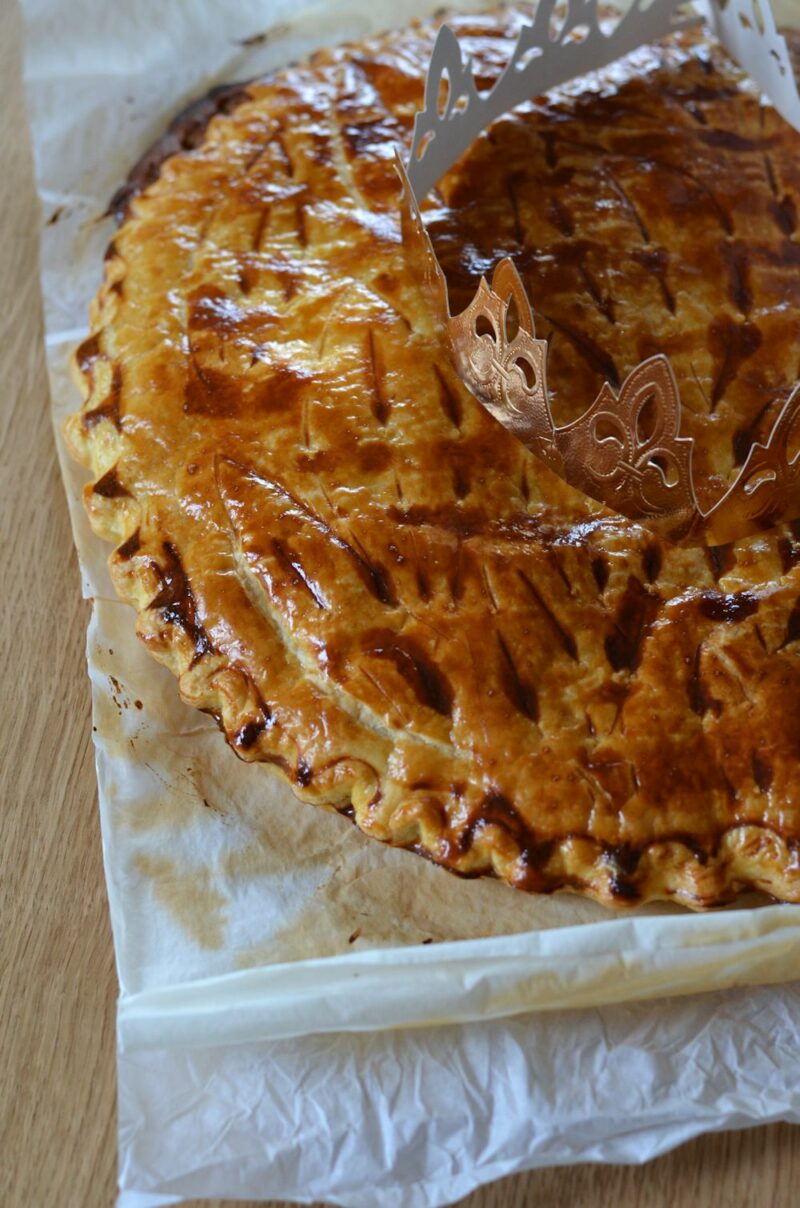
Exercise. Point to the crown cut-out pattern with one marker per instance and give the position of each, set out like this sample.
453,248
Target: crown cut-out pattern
566,39
748,31
626,450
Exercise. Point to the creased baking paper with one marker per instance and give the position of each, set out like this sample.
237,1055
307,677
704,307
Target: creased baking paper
286,1028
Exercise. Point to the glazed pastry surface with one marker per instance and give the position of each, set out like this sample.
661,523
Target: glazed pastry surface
372,585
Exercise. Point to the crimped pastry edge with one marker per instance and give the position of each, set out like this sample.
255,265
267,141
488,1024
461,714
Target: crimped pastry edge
746,857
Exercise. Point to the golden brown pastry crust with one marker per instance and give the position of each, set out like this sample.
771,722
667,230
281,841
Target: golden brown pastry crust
372,585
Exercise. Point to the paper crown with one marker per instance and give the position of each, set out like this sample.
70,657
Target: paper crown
626,450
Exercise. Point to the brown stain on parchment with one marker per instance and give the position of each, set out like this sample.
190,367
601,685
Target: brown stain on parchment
188,897
383,906
294,834
268,854
180,801
172,807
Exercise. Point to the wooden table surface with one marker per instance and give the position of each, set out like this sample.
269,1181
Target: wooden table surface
57,980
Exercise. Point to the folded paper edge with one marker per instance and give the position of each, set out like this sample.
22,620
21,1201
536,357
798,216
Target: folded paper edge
467,981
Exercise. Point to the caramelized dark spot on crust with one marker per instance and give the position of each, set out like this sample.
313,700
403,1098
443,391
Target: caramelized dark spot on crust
461,483
375,577
737,259
596,357
458,577
762,772
737,606
564,636
745,436
185,132
214,392
732,344
443,857
656,260
721,560
600,571
518,232
636,612
381,406
464,521
110,487
784,211
496,810
629,205
782,207
300,217
87,353
297,573
702,848
451,404
602,300
374,457
548,137
423,584
623,888
209,392
625,857
110,409
247,735
729,140
555,561
175,600
304,774
519,691
425,679
129,547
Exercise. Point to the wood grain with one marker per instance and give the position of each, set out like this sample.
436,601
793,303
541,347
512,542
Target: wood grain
57,981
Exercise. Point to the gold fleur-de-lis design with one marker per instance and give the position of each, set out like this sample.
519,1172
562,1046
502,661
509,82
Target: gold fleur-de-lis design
626,450
494,347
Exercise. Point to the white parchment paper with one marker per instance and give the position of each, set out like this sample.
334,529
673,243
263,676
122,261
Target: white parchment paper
271,959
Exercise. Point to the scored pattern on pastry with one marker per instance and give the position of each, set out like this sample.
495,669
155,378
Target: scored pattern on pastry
369,582
648,478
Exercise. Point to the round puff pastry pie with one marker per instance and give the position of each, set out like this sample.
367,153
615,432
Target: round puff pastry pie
366,580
